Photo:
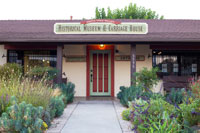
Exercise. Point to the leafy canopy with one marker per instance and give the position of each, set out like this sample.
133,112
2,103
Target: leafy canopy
128,12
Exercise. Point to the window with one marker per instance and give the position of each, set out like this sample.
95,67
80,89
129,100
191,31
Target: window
30,59
177,62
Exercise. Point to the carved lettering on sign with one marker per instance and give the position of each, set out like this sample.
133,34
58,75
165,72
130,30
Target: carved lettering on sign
75,58
128,58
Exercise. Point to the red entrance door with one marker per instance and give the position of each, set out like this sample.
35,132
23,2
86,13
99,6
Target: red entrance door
100,70
100,73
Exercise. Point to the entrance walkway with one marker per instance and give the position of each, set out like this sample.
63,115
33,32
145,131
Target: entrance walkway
93,117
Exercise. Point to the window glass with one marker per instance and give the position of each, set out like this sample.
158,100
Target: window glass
177,62
30,59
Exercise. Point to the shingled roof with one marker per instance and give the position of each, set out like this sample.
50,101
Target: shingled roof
42,31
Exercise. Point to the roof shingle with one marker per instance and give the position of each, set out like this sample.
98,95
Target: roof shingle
42,31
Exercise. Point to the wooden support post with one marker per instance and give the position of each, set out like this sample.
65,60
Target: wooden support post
59,63
133,63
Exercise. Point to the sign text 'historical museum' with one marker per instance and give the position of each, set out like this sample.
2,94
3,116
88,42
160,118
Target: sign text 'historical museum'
100,28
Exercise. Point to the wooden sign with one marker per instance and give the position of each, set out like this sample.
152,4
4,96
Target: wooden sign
128,58
101,28
75,58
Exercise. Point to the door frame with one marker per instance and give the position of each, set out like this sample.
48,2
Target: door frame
97,47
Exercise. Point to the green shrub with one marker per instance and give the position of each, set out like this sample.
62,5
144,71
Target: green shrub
166,125
21,118
48,73
175,96
190,113
56,106
152,95
126,114
127,94
158,106
146,113
10,71
46,117
147,78
68,91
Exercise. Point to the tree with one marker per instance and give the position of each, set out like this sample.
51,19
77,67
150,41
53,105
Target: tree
130,12
97,14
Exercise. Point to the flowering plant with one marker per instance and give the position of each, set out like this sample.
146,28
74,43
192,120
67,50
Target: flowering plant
195,87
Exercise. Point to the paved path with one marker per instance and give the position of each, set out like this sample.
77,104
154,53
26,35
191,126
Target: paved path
93,117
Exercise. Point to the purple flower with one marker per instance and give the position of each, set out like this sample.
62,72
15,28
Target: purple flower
193,112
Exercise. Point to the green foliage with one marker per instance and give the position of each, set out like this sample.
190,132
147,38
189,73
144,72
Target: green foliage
35,92
21,118
46,117
147,78
147,116
33,95
68,91
126,114
56,106
151,112
97,13
127,94
190,113
195,87
130,12
10,71
152,95
48,73
166,125
158,106
175,96
4,103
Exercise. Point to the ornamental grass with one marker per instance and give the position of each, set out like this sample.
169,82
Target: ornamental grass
35,92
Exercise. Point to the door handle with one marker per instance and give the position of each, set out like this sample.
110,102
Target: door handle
91,77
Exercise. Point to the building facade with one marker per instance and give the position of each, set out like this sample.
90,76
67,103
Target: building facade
99,62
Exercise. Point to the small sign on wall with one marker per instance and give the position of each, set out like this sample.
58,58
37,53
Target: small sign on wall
75,58
128,58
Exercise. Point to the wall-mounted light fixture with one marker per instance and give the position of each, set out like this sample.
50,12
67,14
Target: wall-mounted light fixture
149,56
63,74
159,53
102,46
116,51
3,56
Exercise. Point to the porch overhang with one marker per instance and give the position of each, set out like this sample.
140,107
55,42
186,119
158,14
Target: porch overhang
42,31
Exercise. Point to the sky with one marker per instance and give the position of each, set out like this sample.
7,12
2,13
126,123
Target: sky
79,9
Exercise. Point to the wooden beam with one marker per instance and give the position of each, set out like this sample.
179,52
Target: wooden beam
59,63
133,62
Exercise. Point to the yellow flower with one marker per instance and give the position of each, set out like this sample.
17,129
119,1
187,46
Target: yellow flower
190,99
45,125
